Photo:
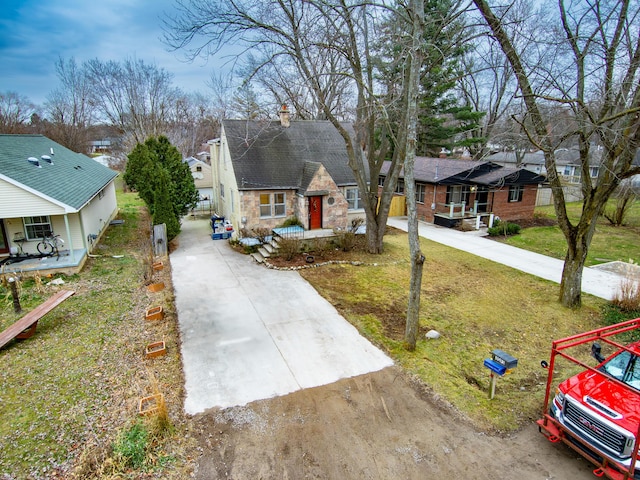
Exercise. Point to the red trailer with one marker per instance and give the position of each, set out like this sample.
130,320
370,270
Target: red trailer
597,412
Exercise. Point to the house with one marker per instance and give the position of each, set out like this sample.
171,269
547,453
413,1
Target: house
265,172
46,188
449,191
201,172
568,166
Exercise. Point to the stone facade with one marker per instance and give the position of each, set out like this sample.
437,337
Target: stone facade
334,205
250,208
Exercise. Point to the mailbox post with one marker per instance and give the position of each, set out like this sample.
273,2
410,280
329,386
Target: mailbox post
499,364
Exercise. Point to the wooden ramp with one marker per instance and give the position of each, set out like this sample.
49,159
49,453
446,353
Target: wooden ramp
26,326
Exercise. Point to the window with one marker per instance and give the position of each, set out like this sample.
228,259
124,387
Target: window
221,189
420,189
273,205
37,227
381,181
279,207
352,195
400,187
515,193
594,171
454,194
199,168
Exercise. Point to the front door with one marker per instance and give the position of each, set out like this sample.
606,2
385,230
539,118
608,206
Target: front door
482,197
315,212
4,244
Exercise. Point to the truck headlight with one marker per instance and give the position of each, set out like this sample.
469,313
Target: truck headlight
559,400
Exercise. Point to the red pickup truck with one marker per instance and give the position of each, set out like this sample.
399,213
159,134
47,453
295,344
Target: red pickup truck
597,412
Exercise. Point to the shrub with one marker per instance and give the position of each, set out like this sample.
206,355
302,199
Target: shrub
346,241
291,222
627,298
503,228
131,446
261,233
288,248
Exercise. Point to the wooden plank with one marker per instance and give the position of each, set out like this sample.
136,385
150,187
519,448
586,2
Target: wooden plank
33,316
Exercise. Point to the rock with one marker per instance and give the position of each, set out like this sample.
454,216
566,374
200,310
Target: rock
432,334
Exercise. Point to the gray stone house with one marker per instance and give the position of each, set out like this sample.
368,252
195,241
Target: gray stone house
265,172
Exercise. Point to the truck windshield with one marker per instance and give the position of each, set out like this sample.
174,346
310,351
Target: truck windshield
623,367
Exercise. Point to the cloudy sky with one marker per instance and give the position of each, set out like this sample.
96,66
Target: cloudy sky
35,33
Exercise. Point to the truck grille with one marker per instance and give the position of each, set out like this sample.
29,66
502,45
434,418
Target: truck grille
593,427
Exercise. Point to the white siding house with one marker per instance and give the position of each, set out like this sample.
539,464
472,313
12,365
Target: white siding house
46,188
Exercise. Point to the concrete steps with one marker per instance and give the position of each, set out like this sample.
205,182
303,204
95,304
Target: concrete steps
266,250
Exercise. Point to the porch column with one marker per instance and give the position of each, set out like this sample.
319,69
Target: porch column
72,255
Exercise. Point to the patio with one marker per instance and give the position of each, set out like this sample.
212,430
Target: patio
67,262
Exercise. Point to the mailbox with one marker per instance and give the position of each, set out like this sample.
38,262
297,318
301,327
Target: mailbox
494,366
504,359
499,364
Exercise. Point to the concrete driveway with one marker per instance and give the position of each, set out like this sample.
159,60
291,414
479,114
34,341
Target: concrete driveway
250,333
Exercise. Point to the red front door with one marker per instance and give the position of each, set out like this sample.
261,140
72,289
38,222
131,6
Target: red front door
315,212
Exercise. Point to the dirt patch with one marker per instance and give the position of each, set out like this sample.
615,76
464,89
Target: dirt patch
376,426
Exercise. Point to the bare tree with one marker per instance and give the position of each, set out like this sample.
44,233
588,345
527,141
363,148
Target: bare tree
591,67
136,97
68,108
406,149
15,112
191,121
302,32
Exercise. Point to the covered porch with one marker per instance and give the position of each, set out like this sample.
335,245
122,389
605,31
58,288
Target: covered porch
68,262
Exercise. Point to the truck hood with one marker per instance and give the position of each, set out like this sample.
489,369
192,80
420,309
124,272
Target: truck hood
624,401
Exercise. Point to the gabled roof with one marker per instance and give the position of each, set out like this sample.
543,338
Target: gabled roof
448,171
266,155
71,179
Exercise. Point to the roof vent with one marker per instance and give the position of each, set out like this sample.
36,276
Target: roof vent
47,159
34,161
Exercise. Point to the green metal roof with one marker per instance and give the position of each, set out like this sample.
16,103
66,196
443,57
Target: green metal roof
71,178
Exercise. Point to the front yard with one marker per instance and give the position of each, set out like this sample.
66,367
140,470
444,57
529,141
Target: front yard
70,394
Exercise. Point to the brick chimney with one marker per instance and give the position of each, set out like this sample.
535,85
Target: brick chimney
284,116
443,153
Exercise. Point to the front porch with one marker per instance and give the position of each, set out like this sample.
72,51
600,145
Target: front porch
67,262
452,215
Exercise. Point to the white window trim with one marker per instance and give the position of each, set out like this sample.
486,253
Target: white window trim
272,205
357,201
28,222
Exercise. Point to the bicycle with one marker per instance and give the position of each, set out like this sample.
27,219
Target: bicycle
49,245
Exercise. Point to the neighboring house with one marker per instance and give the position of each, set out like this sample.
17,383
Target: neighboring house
45,188
100,146
265,172
201,172
568,164
450,190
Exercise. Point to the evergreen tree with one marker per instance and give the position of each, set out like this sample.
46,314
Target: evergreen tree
441,118
163,209
142,174
155,170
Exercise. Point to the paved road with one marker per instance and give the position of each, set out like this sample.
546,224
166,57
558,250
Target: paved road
595,281
250,333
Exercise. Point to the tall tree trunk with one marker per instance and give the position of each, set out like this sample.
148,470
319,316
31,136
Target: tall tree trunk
417,258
